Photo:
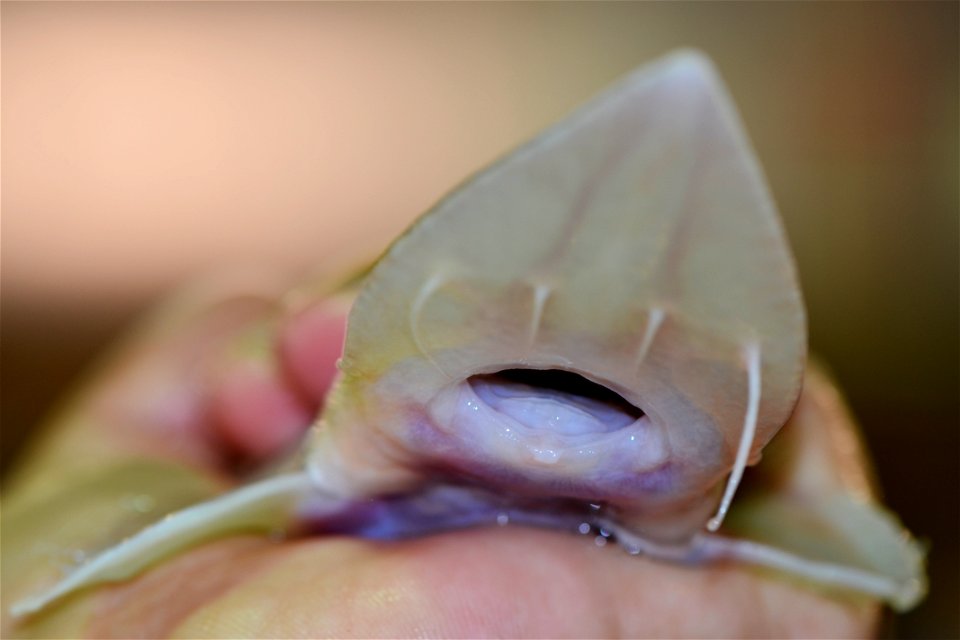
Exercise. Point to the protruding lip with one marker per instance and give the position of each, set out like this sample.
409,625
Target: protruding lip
555,400
627,463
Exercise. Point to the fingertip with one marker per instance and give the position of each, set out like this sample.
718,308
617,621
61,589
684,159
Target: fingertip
310,345
256,415
271,384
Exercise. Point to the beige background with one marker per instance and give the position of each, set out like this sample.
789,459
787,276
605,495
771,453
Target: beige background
146,143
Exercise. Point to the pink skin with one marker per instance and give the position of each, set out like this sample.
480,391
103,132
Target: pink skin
260,411
257,414
504,582
309,346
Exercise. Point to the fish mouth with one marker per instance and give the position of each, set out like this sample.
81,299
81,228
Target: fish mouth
552,433
549,448
555,400
562,420
551,426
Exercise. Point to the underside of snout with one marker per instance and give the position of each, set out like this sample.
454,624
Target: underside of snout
555,432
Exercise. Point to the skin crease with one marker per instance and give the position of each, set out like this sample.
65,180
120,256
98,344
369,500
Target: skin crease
499,582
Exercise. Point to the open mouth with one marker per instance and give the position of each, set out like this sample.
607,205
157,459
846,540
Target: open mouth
545,429
555,400
539,447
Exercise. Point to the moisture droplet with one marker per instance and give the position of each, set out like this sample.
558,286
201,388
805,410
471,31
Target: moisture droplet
545,456
604,532
142,503
600,541
503,519
67,561
594,506
584,528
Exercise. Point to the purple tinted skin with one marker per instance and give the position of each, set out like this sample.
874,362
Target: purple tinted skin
470,471
458,459
449,507
446,507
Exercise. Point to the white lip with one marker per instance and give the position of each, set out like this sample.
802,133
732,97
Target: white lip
542,409
494,434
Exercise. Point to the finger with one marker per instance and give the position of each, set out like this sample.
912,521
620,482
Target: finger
255,415
265,397
146,398
311,343
466,584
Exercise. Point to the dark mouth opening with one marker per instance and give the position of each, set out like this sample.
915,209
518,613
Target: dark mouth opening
565,387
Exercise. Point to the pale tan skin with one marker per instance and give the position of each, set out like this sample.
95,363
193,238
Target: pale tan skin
493,582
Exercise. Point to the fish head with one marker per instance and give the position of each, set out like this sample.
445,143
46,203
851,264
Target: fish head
580,319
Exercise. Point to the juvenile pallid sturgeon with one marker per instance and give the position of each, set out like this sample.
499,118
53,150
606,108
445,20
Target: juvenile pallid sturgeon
606,324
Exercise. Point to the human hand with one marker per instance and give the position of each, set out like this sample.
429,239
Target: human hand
211,390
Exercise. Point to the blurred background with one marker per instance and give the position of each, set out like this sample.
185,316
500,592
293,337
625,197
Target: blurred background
145,144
